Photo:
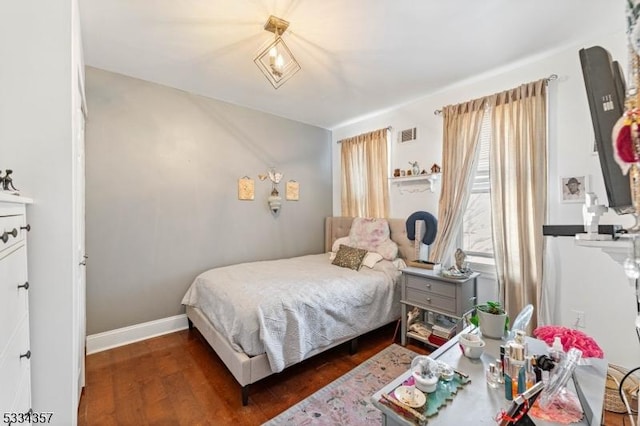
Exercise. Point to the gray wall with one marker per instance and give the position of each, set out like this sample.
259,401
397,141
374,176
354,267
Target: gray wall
161,194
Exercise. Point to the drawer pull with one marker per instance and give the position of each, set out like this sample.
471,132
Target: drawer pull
429,299
429,285
25,285
28,227
26,355
5,235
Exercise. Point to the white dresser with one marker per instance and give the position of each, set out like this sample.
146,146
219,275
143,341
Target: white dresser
15,377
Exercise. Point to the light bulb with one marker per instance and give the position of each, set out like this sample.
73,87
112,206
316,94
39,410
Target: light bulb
279,62
273,52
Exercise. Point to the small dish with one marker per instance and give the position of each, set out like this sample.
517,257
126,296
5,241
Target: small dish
404,395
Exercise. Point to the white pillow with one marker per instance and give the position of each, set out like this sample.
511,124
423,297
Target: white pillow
342,240
371,259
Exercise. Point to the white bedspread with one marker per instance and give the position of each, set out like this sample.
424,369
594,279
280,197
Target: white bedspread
289,307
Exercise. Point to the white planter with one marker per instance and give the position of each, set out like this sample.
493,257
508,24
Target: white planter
491,325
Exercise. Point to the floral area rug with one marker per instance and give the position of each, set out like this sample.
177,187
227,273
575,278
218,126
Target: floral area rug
347,400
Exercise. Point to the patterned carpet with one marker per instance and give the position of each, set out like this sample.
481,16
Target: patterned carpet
346,400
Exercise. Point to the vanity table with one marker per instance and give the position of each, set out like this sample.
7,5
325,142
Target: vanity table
476,403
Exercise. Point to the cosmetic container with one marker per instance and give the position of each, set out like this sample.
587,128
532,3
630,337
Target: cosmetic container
493,376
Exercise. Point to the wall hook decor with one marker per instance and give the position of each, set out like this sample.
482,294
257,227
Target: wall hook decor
274,200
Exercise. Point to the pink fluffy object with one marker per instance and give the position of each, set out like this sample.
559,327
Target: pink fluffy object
570,338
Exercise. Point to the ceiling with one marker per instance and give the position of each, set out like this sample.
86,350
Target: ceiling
358,57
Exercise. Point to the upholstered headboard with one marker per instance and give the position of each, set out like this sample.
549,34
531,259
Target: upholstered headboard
337,227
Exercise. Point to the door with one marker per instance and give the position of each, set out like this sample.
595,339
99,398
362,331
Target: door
80,257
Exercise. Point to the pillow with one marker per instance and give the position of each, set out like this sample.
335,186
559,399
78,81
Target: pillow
349,257
373,235
342,240
371,259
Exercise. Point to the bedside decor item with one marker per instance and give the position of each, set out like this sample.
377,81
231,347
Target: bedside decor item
435,168
415,168
293,190
591,212
246,188
7,181
276,61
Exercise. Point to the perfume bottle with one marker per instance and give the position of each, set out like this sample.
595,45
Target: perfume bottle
493,376
499,369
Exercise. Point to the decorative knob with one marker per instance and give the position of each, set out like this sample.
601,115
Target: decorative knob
25,286
14,232
26,355
5,237
28,227
429,299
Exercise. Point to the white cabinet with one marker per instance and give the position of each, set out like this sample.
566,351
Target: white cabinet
15,350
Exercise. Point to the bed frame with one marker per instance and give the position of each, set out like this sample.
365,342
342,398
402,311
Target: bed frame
248,370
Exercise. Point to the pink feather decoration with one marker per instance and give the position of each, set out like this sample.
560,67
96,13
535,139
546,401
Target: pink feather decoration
570,338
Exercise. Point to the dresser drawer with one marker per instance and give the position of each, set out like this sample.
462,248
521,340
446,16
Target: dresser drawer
10,232
14,369
431,300
15,301
433,286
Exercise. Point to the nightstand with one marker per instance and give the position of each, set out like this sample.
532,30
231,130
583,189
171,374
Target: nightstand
436,297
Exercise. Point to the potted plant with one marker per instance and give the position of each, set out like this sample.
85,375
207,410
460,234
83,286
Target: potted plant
491,318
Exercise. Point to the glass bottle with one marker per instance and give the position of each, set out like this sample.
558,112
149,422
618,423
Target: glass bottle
493,376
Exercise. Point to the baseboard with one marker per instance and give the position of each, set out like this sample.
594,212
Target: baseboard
123,336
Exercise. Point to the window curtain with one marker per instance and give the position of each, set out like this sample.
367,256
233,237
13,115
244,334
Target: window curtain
365,186
518,171
462,124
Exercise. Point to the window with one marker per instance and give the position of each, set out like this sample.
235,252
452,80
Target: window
476,223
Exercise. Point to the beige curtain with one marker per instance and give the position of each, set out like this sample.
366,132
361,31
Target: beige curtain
462,124
519,192
365,187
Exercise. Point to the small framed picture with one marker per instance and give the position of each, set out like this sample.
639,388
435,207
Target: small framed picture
246,189
293,190
574,188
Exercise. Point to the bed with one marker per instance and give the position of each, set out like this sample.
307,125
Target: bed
262,317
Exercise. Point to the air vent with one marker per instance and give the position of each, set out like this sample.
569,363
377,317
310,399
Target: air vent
407,135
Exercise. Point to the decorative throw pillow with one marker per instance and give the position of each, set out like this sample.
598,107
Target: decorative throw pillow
373,235
371,259
349,257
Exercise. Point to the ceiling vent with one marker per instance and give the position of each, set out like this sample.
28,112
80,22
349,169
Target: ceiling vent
407,135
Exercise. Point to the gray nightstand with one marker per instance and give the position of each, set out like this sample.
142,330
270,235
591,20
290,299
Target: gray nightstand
435,294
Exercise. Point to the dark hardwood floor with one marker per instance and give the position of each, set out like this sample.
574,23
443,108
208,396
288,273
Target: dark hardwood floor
177,379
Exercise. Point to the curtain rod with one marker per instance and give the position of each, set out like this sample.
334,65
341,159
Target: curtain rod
388,128
548,79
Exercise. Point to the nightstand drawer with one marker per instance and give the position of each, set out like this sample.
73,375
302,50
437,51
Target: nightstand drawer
437,287
431,300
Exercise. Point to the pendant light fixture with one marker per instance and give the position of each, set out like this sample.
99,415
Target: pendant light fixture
276,61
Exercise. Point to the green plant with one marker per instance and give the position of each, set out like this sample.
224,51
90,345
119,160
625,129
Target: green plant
490,308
